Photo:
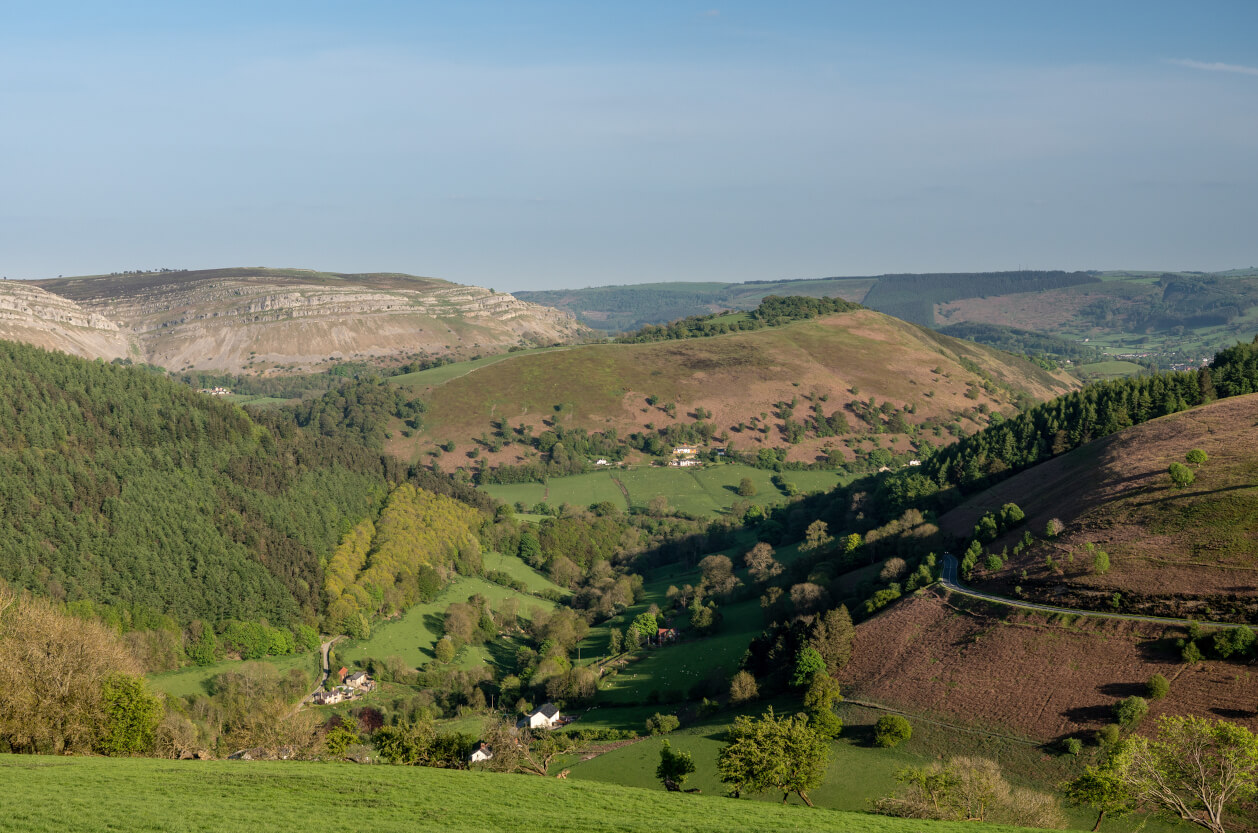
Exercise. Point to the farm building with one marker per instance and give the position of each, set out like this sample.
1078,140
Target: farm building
545,716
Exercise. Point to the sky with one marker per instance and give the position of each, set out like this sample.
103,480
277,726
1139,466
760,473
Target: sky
536,145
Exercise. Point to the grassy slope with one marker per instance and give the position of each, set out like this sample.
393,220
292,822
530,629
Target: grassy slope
69,795
735,376
195,679
1181,552
412,636
858,771
705,491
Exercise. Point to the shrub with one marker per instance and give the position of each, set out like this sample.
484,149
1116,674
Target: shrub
1109,736
662,724
1158,687
1181,475
1196,457
892,730
1073,746
1192,654
1131,711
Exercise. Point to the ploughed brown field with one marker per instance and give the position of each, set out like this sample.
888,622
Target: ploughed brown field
1187,552
993,667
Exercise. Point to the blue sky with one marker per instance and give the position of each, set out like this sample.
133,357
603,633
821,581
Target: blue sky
526,145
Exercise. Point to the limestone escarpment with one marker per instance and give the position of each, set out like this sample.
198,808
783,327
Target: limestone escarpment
33,315
237,319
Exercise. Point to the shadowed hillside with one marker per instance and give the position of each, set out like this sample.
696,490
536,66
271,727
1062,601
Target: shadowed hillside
1189,551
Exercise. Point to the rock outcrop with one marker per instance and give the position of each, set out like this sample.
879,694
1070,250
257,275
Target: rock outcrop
234,320
33,315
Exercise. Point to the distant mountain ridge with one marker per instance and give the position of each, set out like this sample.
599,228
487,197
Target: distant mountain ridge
908,296
1169,318
241,319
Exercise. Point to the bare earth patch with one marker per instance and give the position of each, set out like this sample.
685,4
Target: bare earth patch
995,667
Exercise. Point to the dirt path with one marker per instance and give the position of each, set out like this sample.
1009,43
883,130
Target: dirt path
949,580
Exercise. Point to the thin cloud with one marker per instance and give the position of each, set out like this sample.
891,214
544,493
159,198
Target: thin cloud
1214,66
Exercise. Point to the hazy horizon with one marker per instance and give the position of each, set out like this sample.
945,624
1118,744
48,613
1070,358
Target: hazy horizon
549,145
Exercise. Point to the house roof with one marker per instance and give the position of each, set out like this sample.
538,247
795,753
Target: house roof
357,675
545,710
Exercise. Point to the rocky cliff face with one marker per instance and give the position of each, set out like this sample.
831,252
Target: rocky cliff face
254,319
35,316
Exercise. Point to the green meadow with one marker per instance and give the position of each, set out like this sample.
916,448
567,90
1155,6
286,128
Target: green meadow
196,679
709,490
413,635
93,795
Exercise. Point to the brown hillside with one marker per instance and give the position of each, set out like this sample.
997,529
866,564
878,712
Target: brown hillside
1190,552
237,320
833,361
1002,669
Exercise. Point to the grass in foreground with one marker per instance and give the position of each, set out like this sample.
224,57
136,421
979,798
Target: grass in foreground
85,795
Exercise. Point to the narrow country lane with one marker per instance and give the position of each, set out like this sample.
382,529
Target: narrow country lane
949,580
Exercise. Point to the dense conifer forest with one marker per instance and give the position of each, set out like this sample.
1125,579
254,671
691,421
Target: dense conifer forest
129,490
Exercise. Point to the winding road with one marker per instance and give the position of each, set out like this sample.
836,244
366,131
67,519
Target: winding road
949,580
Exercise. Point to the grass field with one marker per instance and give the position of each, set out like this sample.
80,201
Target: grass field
518,570
673,669
703,491
86,795
195,680
412,636
439,375
858,771
1109,370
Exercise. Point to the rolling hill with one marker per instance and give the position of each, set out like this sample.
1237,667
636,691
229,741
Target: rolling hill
81,795
1170,318
1188,552
854,363
236,320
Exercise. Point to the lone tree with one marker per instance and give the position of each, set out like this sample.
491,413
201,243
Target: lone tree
1196,457
1181,475
1158,687
743,688
783,753
892,730
674,768
1194,769
1100,562
746,488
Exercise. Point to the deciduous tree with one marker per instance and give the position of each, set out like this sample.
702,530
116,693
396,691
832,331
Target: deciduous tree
1193,769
